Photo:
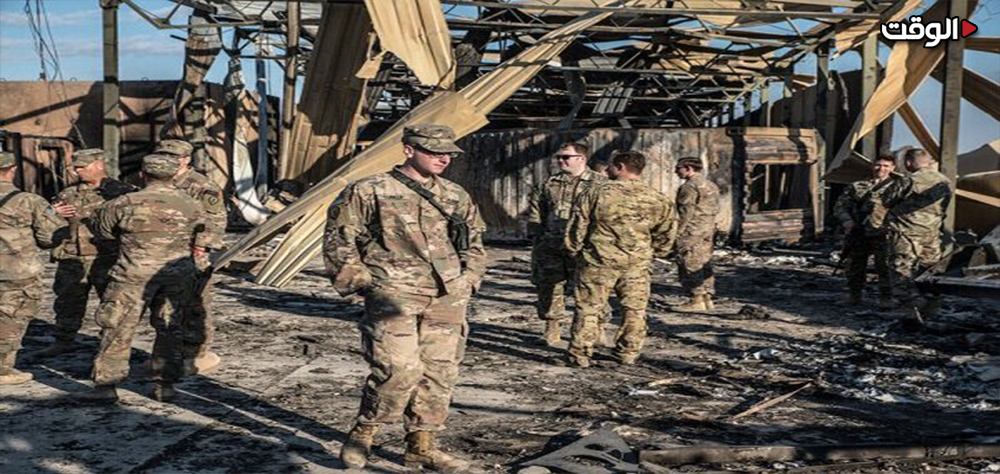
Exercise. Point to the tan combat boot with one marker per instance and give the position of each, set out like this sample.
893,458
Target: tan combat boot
628,359
202,364
354,454
696,305
8,374
164,392
553,332
57,348
101,394
422,452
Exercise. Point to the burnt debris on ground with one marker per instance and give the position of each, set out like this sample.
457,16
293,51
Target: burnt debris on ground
780,362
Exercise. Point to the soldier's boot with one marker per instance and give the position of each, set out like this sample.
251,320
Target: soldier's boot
354,454
628,359
422,453
164,392
202,364
100,394
59,347
8,374
553,332
697,304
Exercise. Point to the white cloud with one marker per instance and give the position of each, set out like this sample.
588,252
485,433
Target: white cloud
151,45
18,18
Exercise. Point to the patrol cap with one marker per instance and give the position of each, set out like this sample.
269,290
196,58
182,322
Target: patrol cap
85,157
435,138
173,147
159,165
7,159
692,162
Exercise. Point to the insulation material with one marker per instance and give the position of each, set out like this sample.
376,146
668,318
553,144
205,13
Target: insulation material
417,33
326,123
244,188
851,34
465,111
909,65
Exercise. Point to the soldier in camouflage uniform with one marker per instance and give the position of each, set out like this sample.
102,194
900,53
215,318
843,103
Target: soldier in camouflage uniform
390,244
615,231
914,220
27,222
551,266
83,261
863,233
697,206
199,329
159,229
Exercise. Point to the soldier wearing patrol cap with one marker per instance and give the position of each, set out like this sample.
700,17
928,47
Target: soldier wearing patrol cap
410,242
27,223
83,260
199,329
159,229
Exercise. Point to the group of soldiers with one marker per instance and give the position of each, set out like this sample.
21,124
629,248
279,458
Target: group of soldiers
410,244
137,249
896,220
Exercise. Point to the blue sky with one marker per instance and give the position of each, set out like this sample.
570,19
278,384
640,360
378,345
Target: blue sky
148,53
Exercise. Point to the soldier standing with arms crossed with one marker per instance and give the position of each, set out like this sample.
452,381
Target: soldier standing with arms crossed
159,230
861,213
199,328
615,231
410,242
83,260
550,208
697,206
27,223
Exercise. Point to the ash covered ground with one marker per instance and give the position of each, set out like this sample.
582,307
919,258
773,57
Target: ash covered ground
289,386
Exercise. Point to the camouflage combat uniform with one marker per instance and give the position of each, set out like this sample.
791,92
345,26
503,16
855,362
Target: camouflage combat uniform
157,227
551,266
862,204
27,222
199,328
697,206
83,260
615,231
387,242
916,212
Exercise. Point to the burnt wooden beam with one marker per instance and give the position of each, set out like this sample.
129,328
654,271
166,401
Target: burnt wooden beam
869,80
294,14
951,105
109,87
